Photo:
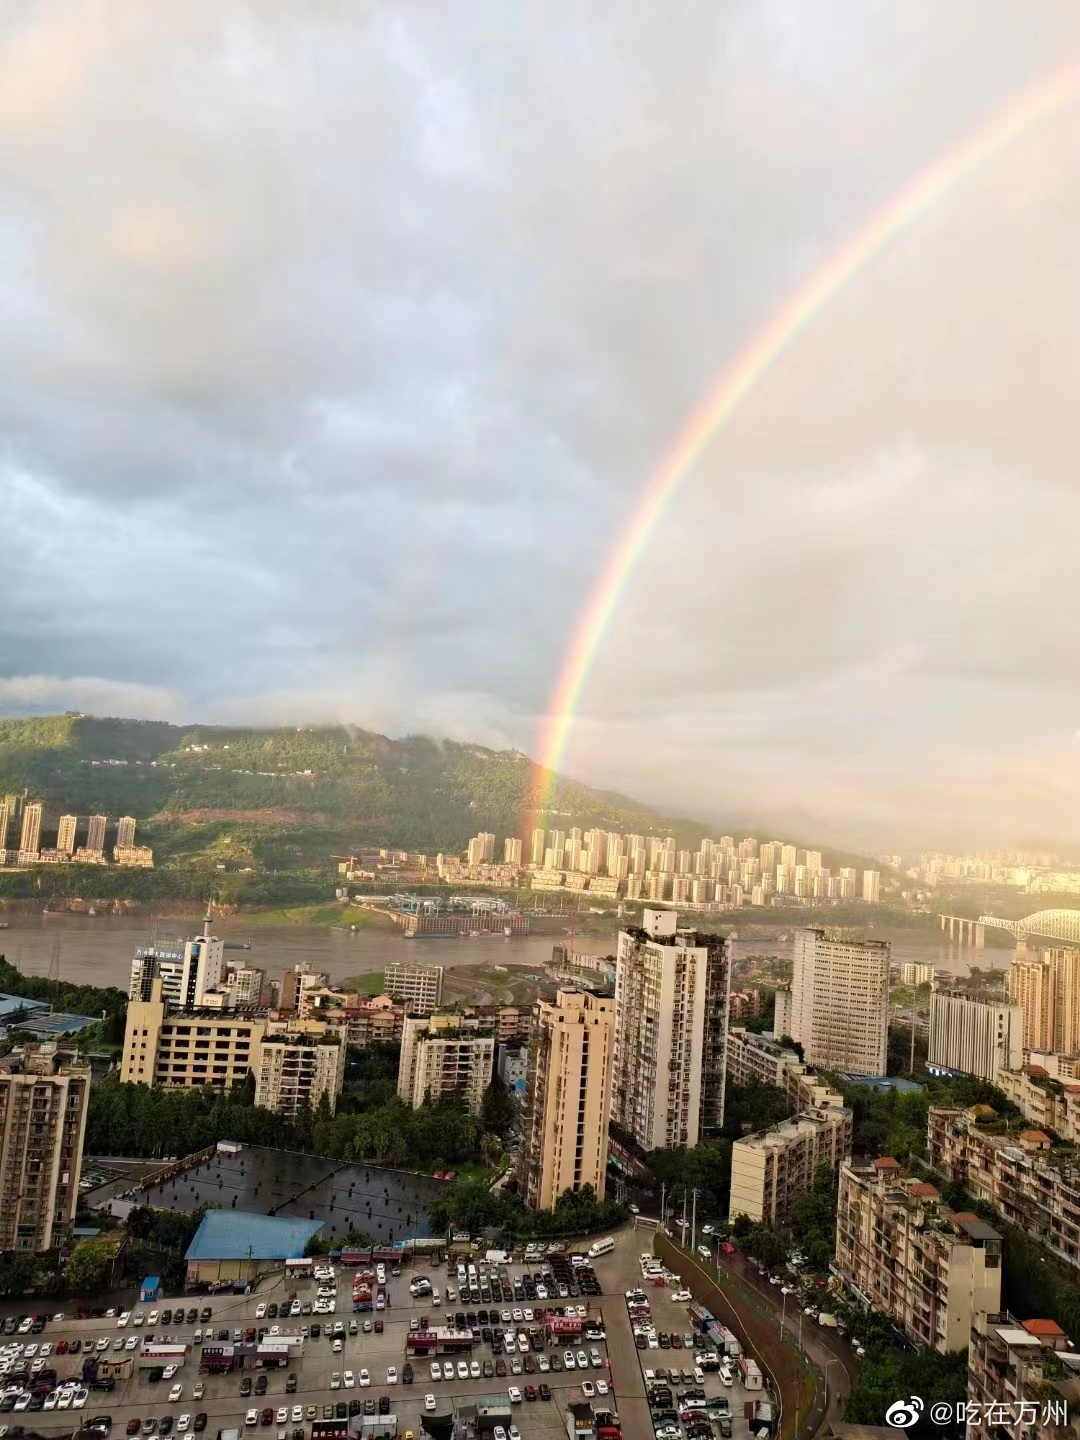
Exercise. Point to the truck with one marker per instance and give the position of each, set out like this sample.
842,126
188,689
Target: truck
829,1321
749,1373
729,1342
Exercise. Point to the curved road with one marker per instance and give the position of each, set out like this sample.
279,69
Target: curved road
826,1350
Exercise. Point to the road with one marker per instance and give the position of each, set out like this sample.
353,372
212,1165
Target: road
827,1352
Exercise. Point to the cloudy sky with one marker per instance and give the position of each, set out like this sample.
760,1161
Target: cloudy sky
337,341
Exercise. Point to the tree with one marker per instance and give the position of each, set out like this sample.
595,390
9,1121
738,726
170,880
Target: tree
498,1111
90,1266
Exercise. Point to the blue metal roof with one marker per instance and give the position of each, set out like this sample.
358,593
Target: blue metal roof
235,1235
13,1004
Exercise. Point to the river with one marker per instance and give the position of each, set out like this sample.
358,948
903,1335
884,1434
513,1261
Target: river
89,950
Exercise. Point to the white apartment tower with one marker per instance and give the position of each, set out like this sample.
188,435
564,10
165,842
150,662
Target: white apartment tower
95,839
839,1009
671,1013
65,835
125,832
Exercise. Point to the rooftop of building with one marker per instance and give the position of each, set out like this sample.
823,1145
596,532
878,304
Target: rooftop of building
240,1235
882,1082
18,1005
793,1128
44,1059
238,1014
922,1198
840,937
1013,1137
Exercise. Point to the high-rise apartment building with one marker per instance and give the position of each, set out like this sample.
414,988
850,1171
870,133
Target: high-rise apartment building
1012,1365
927,1268
916,974
33,819
95,835
295,1072
1047,989
65,834
537,847
974,1035
443,1055
44,1098
671,1009
568,1096
165,1045
125,832
511,851
418,987
5,820
871,887
839,1009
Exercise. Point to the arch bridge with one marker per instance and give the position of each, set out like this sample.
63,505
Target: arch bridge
1046,924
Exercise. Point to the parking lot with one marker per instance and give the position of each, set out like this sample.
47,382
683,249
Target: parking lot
620,1272
218,1398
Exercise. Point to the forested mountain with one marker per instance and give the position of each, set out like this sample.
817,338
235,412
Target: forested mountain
296,793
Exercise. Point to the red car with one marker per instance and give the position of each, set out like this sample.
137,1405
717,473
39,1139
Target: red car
530,1392
727,1247
60,1348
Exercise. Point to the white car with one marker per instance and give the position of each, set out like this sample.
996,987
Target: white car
50,1400
79,1399
429,1402
391,1375
515,1395
282,1415
335,1380
138,1318
64,1400
474,1369
514,1433
588,1389
682,1295
436,1371
337,1347
462,1370
518,1316
152,1318
123,1318
169,1372
601,1387
31,1350
568,1360
131,1343
348,1379
707,1229
184,1423
23,1402
260,1311
251,1418
174,1396
297,1414
727,1377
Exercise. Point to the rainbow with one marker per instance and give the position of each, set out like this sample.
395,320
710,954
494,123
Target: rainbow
1024,111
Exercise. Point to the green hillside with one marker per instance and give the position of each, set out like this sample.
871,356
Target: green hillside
259,815
291,796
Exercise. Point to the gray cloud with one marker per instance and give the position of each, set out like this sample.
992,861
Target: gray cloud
336,342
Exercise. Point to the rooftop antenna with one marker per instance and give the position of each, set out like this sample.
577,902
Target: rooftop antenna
209,918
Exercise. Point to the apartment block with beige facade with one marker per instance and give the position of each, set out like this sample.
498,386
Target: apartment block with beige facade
927,1268
1046,1089
1046,986
770,1168
298,1071
442,1055
568,1096
44,1098
838,1008
1025,1176
1014,1368
761,1059
179,1048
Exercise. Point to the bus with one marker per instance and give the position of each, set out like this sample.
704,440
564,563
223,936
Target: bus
601,1247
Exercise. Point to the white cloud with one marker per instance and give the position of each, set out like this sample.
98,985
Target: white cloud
45,694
